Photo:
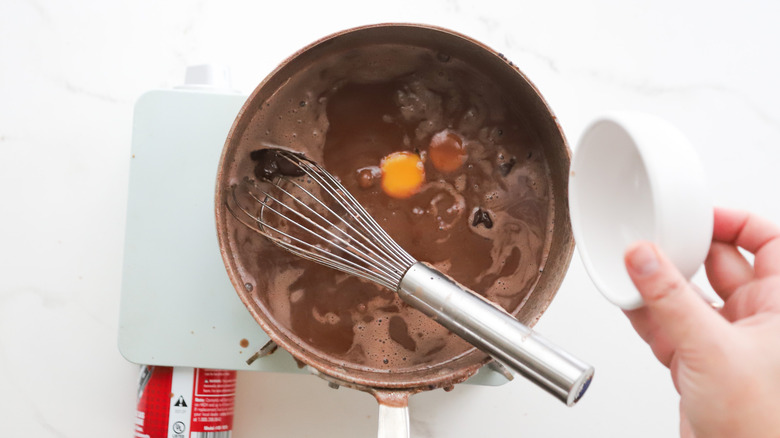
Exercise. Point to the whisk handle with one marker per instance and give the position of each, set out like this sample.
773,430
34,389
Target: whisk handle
496,332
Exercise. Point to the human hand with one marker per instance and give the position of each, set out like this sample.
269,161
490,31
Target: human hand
724,363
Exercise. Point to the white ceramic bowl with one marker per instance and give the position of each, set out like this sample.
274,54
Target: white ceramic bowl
636,177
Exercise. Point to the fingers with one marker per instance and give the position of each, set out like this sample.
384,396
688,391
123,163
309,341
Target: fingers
650,332
727,269
682,317
755,234
686,430
757,297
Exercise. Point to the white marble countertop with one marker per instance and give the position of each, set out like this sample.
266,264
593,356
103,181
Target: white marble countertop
70,73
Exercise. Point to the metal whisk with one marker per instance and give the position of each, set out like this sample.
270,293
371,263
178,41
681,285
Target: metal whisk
305,210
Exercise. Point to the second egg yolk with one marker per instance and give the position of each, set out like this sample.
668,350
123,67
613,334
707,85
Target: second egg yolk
447,151
402,174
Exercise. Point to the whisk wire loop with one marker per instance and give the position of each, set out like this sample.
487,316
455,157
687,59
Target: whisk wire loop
301,247
370,250
355,241
350,204
314,216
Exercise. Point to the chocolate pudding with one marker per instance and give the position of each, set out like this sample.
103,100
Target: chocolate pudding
481,214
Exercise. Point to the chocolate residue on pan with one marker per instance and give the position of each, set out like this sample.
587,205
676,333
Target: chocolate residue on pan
271,164
505,168
361,105
399,332
482,217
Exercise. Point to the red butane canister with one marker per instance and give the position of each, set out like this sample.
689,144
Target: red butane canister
184,402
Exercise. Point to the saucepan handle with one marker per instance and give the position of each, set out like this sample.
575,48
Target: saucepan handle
496,332
393,414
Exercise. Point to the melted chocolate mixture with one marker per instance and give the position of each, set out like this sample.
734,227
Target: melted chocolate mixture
484,224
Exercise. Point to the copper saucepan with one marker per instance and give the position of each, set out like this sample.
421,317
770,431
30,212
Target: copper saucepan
323,61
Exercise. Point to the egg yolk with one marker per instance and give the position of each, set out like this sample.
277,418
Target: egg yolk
447,151
402,174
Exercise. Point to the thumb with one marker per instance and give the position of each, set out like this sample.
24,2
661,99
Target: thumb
680,313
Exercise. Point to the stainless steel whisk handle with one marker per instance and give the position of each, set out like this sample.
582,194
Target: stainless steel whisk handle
496,332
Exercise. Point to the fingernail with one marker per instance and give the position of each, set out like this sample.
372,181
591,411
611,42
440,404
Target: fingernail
642,259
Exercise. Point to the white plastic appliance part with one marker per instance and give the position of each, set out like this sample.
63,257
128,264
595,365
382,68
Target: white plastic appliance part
178,307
